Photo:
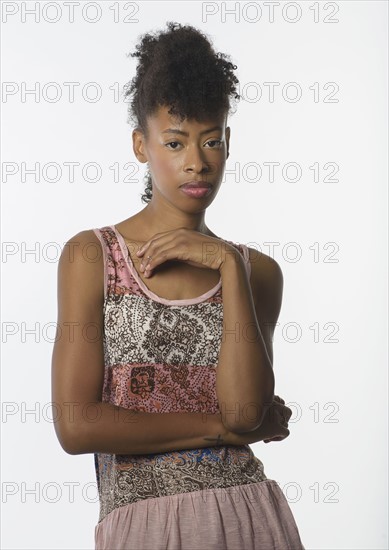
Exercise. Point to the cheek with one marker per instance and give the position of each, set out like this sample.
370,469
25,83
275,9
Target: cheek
217,163
165,165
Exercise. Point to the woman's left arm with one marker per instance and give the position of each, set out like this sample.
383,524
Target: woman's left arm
245,378
244,375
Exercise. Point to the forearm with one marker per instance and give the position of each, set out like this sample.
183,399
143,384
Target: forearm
122,431
245,378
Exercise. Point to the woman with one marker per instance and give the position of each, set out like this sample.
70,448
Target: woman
168,371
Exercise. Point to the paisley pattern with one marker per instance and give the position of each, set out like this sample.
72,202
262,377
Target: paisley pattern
161,356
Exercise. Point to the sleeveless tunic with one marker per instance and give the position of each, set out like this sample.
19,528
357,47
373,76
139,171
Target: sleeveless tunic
161,356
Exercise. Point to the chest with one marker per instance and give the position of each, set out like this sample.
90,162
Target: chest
175,280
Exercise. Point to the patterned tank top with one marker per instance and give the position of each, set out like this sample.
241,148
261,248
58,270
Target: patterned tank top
161,356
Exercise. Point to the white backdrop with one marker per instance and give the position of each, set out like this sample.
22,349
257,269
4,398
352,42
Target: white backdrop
321,214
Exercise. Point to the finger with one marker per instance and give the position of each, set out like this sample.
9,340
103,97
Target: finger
159,247
283,421
288,412
284,433
145,263
151,242
277,438
157,258
279,399
154,238
147,266
142,249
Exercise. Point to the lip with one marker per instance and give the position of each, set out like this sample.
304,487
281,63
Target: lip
197,192
196,184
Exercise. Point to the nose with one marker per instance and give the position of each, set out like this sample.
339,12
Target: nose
195,160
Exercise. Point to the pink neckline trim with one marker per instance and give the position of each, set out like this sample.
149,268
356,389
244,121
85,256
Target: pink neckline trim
150,293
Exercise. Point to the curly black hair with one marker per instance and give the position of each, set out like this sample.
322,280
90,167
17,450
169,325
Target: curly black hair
179,68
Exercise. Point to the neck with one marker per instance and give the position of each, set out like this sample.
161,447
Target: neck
158,219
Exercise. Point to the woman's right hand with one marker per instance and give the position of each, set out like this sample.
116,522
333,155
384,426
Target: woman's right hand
274,426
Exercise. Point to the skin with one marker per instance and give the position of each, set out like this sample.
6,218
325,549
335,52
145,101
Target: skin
174,159
172,230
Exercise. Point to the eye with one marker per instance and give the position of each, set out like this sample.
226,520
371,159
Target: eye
170,143
217,141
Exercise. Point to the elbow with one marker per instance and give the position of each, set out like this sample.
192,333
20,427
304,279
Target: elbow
71,439
249,422
71,447
241,417
251,416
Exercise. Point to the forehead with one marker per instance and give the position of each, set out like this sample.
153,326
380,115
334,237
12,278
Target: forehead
161,120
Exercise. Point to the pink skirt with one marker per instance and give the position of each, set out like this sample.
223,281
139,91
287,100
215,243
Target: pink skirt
254,516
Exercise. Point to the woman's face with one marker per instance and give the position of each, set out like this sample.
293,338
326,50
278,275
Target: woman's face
179,152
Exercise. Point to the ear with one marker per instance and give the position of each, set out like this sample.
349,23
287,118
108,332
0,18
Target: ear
138,145
228,132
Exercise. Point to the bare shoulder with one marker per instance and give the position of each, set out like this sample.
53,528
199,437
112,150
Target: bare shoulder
80,242
82,263
266,280
265,268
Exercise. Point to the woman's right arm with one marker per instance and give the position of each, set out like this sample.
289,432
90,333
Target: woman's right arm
85,424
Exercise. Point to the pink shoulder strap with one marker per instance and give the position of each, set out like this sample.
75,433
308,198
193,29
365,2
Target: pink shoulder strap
117,274
114,263
104,247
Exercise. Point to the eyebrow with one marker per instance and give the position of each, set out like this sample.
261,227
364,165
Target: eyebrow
174,131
